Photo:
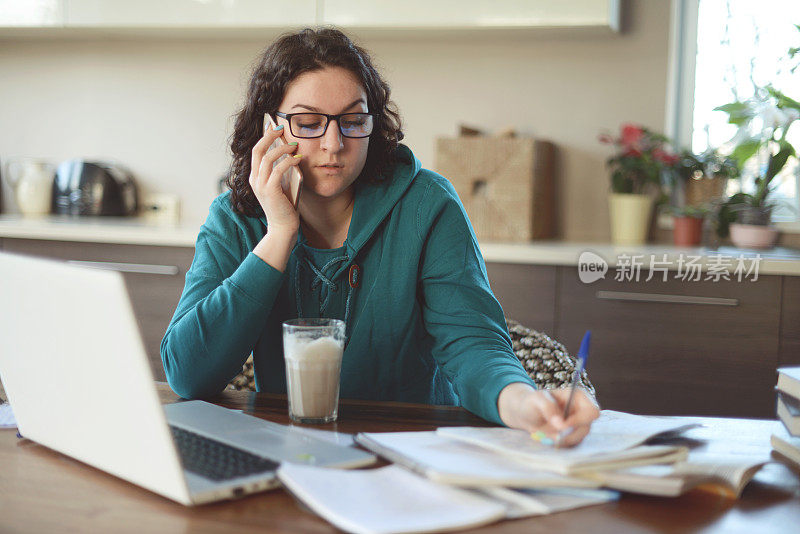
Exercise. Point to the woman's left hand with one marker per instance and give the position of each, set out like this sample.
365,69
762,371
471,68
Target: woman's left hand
521,406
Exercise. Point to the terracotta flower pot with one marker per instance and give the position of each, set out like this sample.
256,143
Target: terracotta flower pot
687,231
753,236
630,218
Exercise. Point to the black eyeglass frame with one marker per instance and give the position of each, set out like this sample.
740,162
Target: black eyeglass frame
328,119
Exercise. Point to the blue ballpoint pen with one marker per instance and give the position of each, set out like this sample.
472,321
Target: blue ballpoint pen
583,355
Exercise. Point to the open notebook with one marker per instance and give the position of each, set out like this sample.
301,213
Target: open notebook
616,441
393,500
458,463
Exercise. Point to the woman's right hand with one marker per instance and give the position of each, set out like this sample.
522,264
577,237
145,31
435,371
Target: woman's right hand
532,410
265,180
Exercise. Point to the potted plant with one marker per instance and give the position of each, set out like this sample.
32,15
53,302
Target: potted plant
637,171
687,221
760,146
698,182
687,168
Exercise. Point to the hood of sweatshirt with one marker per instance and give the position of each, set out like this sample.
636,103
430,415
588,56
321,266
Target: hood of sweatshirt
373,203
374,200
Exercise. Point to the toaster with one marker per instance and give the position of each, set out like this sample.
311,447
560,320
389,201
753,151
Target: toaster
83,187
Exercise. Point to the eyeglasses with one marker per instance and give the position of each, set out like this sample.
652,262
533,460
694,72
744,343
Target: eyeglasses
312,125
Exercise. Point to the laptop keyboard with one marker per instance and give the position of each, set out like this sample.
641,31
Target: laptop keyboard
215,460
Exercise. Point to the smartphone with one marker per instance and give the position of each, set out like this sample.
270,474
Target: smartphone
292,180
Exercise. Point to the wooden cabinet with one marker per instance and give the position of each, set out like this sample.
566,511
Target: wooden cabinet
676,347
665,347
154,276
526,292
658,347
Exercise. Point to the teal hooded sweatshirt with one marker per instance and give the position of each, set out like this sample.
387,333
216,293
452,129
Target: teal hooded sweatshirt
422,323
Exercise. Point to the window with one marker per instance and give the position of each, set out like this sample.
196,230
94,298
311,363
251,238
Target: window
721,50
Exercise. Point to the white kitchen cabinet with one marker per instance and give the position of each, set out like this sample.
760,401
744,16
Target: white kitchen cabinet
249,18
471,14
31,13
189,14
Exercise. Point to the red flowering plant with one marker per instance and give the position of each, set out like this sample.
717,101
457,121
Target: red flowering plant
642,158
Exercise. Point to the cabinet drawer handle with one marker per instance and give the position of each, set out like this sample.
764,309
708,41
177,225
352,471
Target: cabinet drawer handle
672,299
140,268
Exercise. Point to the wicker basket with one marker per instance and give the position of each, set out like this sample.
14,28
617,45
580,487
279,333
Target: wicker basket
705,191
506,184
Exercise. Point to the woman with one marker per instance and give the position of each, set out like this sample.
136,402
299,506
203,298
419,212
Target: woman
376,240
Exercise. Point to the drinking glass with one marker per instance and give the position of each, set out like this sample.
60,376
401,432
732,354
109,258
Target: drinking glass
312,350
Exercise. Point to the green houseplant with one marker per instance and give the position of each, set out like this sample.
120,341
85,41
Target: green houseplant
637,172
698,182
687,219
760,144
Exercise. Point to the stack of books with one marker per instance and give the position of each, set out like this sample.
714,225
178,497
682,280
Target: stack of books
787,439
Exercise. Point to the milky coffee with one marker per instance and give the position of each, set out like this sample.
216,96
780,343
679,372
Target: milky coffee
313,362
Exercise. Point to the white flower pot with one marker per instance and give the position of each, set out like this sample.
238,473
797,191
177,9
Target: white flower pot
630,218
753,236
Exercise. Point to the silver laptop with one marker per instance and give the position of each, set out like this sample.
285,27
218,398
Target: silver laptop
75,371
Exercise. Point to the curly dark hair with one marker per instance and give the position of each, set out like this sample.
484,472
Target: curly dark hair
284,60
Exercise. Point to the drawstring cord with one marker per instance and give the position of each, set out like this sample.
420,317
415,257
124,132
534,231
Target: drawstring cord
320,278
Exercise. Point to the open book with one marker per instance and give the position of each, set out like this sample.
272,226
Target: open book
616,441
393,500
724,474
458,463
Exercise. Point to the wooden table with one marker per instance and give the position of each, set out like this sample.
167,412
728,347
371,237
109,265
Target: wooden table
44,491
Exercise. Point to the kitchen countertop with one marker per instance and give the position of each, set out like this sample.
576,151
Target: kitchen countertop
119,230
778,260
138,231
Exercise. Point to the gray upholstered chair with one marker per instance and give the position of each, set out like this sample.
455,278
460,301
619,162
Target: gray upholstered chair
546,360
244,381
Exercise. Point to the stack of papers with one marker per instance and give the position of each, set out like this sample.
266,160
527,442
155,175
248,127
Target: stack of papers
615,455
463,477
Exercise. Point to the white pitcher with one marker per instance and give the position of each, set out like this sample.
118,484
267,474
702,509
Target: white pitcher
32,181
